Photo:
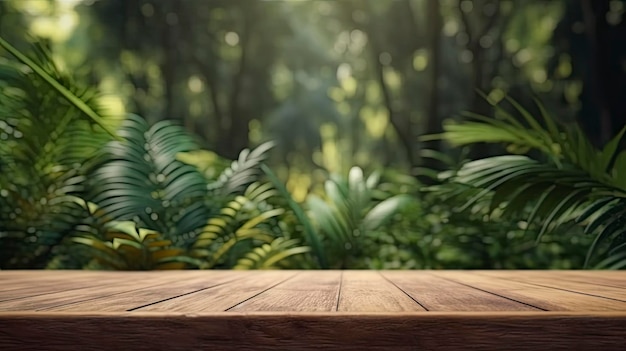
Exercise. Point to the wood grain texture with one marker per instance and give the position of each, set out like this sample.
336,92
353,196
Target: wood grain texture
35,290
545,280
225,296
326,331
37,285
307,292
545,298
437,294
135,299
367,291
301,310
615,279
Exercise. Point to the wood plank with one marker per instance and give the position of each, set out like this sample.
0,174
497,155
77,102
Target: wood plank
309,291
589,287
542,297
437,294
615,279
616,282
238,331
225,296
30,288
36,283
165,290
368,291
74,292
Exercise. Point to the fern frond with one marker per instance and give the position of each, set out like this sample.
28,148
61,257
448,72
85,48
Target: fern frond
141,179
47,139
243,171
270,255
244,218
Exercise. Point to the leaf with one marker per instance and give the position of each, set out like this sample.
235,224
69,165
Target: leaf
311,234
611,226
329,222
80,104
268,255
243,171
595,207
141,180
383,211
609,152
552,127
253,222
96,244
606,215
565,204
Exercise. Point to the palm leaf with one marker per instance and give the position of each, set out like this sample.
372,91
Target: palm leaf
49,139
72,98
578,182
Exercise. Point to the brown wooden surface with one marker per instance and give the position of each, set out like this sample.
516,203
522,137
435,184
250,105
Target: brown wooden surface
426,310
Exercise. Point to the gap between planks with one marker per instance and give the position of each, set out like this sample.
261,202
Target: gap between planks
578,287
545,298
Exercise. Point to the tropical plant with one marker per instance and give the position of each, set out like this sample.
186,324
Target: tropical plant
350,213
127,247
270,255
203,221
248,218
571,180
140,179
73,197
476,237
310,234
49,127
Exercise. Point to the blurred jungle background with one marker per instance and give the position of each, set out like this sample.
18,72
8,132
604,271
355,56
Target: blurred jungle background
370,134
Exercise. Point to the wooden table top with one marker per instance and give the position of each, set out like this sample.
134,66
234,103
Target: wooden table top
312,309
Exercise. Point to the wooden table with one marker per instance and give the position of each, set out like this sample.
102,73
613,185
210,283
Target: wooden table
289,310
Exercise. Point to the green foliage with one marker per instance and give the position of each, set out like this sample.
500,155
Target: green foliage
243,171
312,236
573,181
351,213
126,247
62,90
46,138
140,179
270,255
461,236
244,218
70,197
74,198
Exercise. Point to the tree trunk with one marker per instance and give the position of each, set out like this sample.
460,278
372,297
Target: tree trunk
433,122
